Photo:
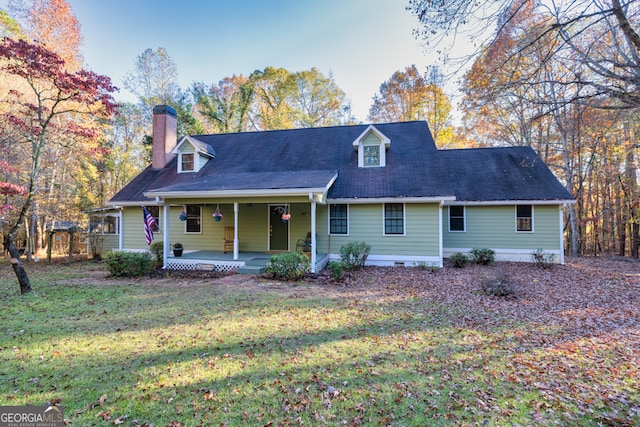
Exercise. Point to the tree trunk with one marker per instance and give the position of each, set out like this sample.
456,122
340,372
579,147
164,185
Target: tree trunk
16,264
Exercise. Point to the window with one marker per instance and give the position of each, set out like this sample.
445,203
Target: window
194,219
371,146
524,218
104,224
371,155
456,218
155,213
393,218
338,219
187,162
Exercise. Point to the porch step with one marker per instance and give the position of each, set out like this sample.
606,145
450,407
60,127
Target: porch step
254,266
251,269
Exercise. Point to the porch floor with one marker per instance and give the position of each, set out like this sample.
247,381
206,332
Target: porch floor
220,261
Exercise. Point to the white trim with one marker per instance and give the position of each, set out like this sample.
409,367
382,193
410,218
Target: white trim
533,227
166,239
236,242
440,233
187,220
395,260
383,146
464,219
288,209
509,202
313,234
191,141
561,228
514,255
329,220
180,169
404,220
377,200
237,193
120,230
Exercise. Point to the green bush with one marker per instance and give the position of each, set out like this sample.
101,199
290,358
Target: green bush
499,287
157,250
288,265
129,264
337,270
459,260
354,255
483,256
543,259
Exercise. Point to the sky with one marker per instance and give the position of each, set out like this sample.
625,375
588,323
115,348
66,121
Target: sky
361,43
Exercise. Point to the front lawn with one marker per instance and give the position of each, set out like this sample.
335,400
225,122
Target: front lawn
394,346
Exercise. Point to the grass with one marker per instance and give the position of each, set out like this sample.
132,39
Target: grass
143,352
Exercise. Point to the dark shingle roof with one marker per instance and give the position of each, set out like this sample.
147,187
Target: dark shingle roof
413,167
495,174
310,158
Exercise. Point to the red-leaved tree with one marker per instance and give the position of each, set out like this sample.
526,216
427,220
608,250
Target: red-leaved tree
56,104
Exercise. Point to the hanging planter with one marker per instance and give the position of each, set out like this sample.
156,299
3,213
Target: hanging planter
182,216
284,213
217,215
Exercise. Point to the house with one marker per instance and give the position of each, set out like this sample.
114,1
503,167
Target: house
384,184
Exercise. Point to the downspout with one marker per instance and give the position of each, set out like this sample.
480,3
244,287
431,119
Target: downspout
440,233
561,232
165,235
235,231
313,233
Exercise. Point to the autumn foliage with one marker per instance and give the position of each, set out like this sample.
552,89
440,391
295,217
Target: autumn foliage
52,111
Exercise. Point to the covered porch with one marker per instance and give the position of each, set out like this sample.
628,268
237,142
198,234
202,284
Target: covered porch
243,262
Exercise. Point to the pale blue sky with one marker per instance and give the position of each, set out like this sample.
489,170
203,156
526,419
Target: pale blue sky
362,42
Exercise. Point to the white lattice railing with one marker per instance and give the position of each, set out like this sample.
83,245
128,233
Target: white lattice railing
199,264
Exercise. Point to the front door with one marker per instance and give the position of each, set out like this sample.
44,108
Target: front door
278,229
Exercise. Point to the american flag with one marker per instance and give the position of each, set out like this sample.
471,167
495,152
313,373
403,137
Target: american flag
149,223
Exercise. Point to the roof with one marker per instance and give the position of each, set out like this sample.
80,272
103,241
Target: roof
502,174
296,161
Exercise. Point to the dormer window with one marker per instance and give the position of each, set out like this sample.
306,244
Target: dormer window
193,154
187,163
371,146
371,155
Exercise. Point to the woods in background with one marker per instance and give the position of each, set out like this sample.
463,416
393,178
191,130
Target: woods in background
562,80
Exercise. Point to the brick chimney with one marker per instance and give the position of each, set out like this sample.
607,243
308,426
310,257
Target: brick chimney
165,135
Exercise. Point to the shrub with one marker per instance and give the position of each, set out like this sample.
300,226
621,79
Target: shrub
543,259
129,264
498,287
288,265
354,255
157,250
459,260
337,270
483,256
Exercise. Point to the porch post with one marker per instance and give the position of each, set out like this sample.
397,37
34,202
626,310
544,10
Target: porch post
165,235
120,230
235,231
313,235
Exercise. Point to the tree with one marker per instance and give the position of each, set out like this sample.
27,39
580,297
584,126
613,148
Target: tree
602,35
318,100
45,114
409,95
274,88
225,106
154,79
52,24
